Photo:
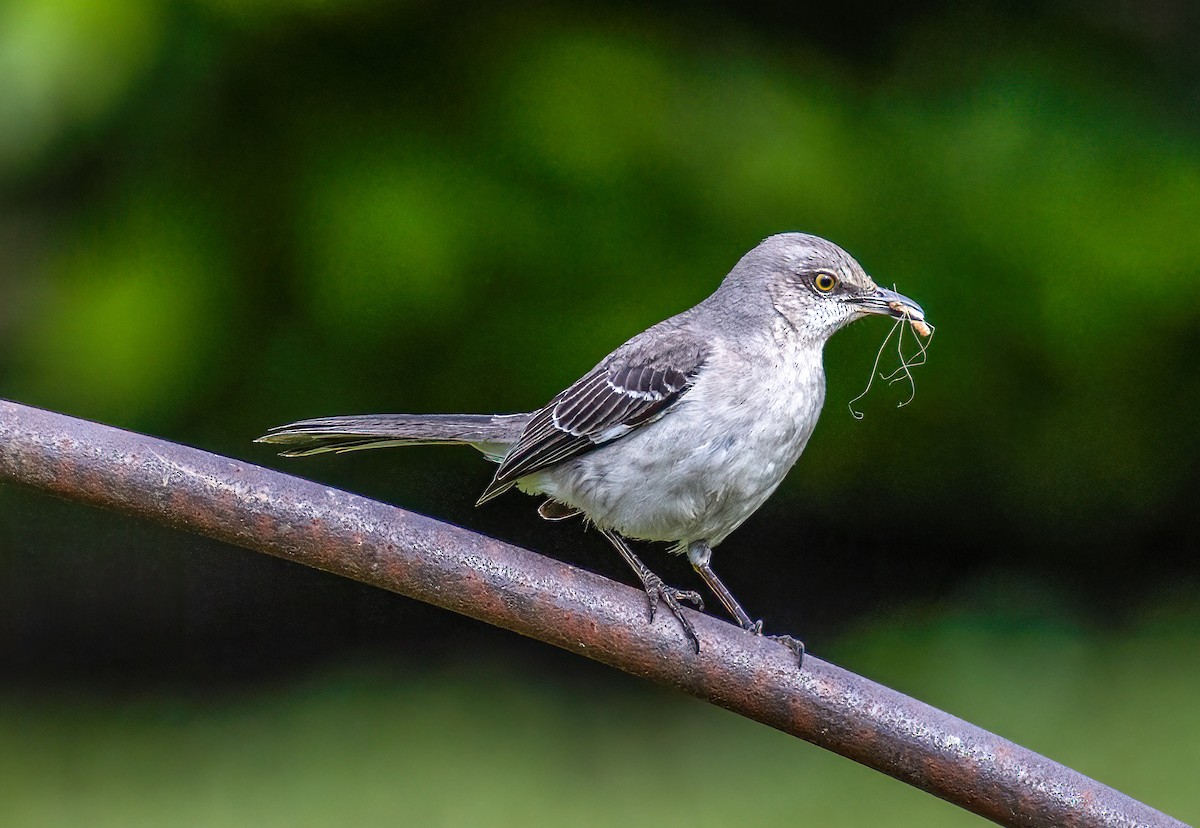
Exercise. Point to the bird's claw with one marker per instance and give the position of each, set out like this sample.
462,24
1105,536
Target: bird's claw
793,644
657,591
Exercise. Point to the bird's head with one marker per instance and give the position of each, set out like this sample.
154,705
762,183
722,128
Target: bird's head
816,286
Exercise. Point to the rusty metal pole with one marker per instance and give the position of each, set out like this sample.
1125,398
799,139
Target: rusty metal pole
533,595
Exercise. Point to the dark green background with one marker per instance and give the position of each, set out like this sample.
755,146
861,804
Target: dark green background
218,216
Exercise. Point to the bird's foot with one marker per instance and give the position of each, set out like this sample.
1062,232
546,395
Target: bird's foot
657,591
793,644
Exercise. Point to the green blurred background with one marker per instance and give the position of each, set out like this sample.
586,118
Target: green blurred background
217,216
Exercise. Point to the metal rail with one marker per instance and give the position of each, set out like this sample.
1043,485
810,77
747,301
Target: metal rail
536,596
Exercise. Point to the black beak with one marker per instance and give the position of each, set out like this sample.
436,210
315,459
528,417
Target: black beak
889,303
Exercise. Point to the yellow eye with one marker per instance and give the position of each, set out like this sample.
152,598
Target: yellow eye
824,282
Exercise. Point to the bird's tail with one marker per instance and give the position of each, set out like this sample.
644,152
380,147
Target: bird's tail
491,434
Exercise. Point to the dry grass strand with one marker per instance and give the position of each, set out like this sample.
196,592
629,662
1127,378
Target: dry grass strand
923,334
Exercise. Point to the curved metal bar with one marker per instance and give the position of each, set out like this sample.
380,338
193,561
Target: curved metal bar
500,584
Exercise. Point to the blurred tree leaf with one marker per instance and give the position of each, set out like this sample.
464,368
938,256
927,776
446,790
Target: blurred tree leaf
65,64
132,318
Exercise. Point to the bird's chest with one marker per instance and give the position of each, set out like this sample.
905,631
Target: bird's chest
713,459
753,421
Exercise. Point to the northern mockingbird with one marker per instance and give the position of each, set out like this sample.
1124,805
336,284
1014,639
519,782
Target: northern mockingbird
681,433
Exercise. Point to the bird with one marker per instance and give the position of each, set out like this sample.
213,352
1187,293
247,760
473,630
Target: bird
681,433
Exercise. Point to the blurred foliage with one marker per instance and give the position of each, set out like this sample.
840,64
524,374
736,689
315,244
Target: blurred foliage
216,216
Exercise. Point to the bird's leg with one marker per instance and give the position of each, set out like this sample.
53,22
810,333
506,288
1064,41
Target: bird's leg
700,555
656,590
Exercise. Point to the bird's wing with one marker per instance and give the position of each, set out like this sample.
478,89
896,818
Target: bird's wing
632,387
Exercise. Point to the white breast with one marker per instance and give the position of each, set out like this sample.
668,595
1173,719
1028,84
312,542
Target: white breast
712,460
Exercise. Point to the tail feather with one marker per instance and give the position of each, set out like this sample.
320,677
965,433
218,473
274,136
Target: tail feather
491,434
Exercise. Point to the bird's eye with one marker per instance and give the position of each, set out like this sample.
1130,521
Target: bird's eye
824,282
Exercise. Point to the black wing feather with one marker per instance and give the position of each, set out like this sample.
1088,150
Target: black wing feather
625,391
